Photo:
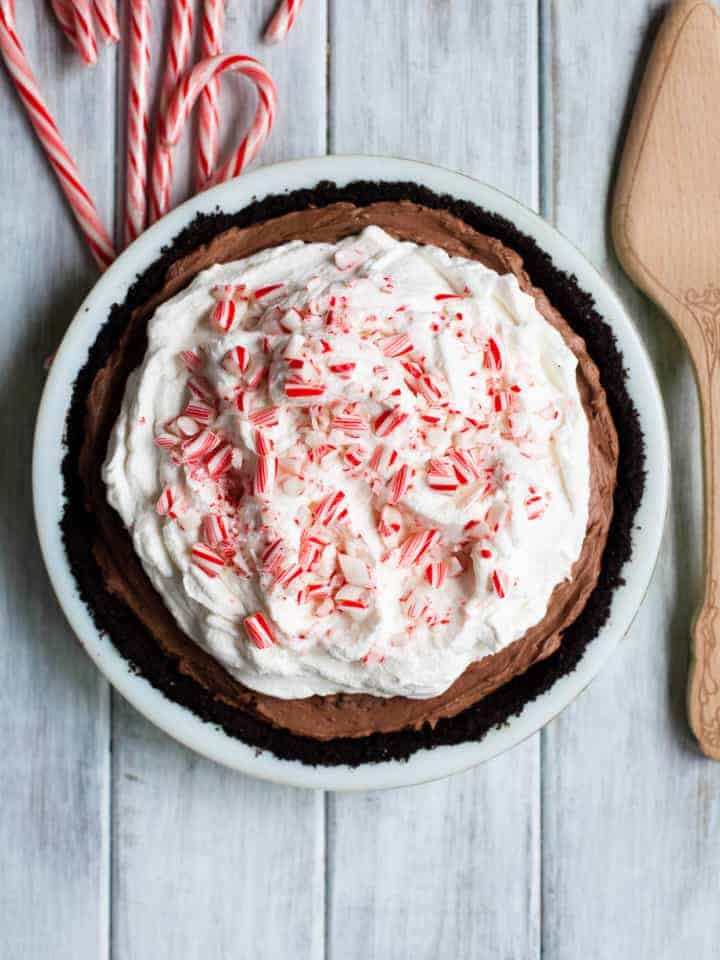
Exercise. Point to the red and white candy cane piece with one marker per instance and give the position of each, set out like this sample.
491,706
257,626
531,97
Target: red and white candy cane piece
107,19
390,522
262,292
501,401
435,574
199,446
315,548
266,417
282,20
264,445
220,461
496,516
181,105
223,316
355,455
294,351
349,424
401,483
288,575
350,598
137,120
331,509
200,410
215,529
166,440
396,346
451,296
492,356
84,31
463,465
414,547
342,370
499,583
265,473
236,360
318,454
273,556
383,459
388,421
535,504
208,129
255,373
192,360
432,388
259,631
298,389
207,559
47,132
441,477
318,591
168,502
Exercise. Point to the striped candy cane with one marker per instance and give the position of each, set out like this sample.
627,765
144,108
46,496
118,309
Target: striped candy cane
107,19
64,16
84,31
180,107
208,109
178,57
282,20
47,132
137,133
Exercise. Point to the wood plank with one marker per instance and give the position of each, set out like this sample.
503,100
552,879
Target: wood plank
54,714
437,870
208,863
631,835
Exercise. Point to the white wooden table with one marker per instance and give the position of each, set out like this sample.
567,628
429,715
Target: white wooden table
599,838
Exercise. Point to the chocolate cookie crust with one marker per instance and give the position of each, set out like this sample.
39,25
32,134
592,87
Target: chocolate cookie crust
138,646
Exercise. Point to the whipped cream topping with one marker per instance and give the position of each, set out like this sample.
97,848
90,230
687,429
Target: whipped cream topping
352,467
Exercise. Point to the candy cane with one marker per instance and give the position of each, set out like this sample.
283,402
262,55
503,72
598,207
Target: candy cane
64,16
107,19
84,31
62,163
282,20
178,57
208,109
138,102
183,100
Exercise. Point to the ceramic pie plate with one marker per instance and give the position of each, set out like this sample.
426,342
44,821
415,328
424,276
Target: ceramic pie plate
181,723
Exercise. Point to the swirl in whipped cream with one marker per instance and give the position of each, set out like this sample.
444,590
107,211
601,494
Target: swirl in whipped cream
352,467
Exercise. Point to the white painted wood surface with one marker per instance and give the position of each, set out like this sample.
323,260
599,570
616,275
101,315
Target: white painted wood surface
601,838
54,732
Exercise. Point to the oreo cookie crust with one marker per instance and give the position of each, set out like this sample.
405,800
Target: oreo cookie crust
138,645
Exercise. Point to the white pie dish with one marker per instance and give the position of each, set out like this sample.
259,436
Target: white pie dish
178,721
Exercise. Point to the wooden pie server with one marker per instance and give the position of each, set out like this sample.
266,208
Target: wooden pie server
666,229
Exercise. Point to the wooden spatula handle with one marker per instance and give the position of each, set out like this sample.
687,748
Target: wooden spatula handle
704,684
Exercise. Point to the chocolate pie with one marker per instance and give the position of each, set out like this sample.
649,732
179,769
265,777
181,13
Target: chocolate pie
352,472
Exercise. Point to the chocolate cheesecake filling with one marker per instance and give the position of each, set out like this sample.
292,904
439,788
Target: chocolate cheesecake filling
343,715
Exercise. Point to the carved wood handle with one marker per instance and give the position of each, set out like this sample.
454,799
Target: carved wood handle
704,683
